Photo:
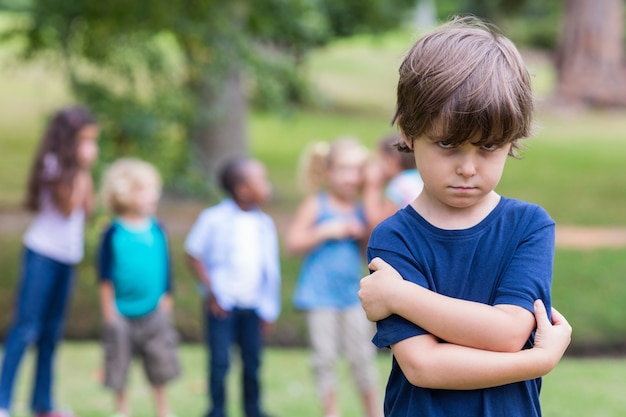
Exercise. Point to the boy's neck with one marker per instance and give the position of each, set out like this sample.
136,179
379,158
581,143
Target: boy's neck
134,218
452,218
244,205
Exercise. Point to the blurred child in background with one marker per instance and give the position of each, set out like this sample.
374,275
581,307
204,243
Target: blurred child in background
60,193
136,284
391,181
233,250
330,230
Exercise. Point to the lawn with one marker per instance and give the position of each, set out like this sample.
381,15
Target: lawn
580,387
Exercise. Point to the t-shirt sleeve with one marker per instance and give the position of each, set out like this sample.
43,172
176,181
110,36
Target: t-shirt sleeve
394,328
195,241
105,255
529,274
169,283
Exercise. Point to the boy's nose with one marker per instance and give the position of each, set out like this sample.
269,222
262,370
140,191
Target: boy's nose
466,167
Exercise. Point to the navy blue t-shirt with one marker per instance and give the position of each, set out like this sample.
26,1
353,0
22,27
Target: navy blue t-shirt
505,259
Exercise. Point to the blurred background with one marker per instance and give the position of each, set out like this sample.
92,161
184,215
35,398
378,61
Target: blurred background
185,84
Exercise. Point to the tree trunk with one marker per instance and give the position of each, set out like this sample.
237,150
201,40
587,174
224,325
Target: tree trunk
220,130
590,57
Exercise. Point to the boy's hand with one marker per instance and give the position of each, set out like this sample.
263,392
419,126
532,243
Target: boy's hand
110,315
377,289
214,309
267,329
165,304
553,338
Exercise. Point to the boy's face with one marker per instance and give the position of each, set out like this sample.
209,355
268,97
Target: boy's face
458,177
146,198
256,189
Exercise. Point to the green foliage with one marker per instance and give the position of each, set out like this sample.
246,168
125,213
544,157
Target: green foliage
532,23
154,72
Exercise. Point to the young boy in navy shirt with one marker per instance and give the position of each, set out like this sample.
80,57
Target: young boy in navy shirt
477,266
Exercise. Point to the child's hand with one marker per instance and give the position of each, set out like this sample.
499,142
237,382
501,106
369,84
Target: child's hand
267,329
110,315
376,293
165,304
553,338
214,308
342,229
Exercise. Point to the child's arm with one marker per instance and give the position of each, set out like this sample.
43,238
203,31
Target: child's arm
166,303
107,301
304,234
204,279
200,273
501,328
428,363
81,194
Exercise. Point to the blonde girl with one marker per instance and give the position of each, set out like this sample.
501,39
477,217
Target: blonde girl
329,230
60,193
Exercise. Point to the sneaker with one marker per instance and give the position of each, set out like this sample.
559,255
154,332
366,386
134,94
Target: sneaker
55,414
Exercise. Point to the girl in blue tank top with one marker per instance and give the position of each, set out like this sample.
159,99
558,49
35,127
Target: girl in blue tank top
329,230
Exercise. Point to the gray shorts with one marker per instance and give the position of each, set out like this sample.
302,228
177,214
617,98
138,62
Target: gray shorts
332,332
151,337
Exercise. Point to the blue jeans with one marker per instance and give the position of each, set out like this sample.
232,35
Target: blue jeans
241,326
39,314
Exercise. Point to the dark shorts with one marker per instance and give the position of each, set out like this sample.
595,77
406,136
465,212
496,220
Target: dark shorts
152,338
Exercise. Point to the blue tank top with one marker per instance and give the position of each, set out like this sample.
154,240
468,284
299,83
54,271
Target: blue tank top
331,272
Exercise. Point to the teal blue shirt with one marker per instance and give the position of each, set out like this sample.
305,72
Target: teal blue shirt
135,259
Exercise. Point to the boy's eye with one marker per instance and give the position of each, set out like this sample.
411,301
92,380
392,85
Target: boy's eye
445,145
491,147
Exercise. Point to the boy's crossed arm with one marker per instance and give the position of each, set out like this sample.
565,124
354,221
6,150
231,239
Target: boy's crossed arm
501,328
428,363
477,354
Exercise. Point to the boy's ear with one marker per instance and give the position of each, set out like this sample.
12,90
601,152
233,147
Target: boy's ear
407,141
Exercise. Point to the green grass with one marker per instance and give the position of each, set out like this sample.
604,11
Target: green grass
588,288
580,387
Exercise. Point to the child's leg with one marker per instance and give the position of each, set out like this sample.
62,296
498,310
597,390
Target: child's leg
249,339
160,401
158,342
121,403
51,332
28,314
220,336
323,336
117,345
356,334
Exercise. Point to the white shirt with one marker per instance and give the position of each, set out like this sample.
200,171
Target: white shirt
51,233
239,249
247,260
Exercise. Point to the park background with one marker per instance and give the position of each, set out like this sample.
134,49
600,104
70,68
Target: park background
338,83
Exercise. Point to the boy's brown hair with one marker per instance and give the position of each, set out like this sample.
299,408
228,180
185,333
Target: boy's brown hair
464,80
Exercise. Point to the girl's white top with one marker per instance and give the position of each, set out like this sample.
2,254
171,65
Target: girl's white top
51,233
